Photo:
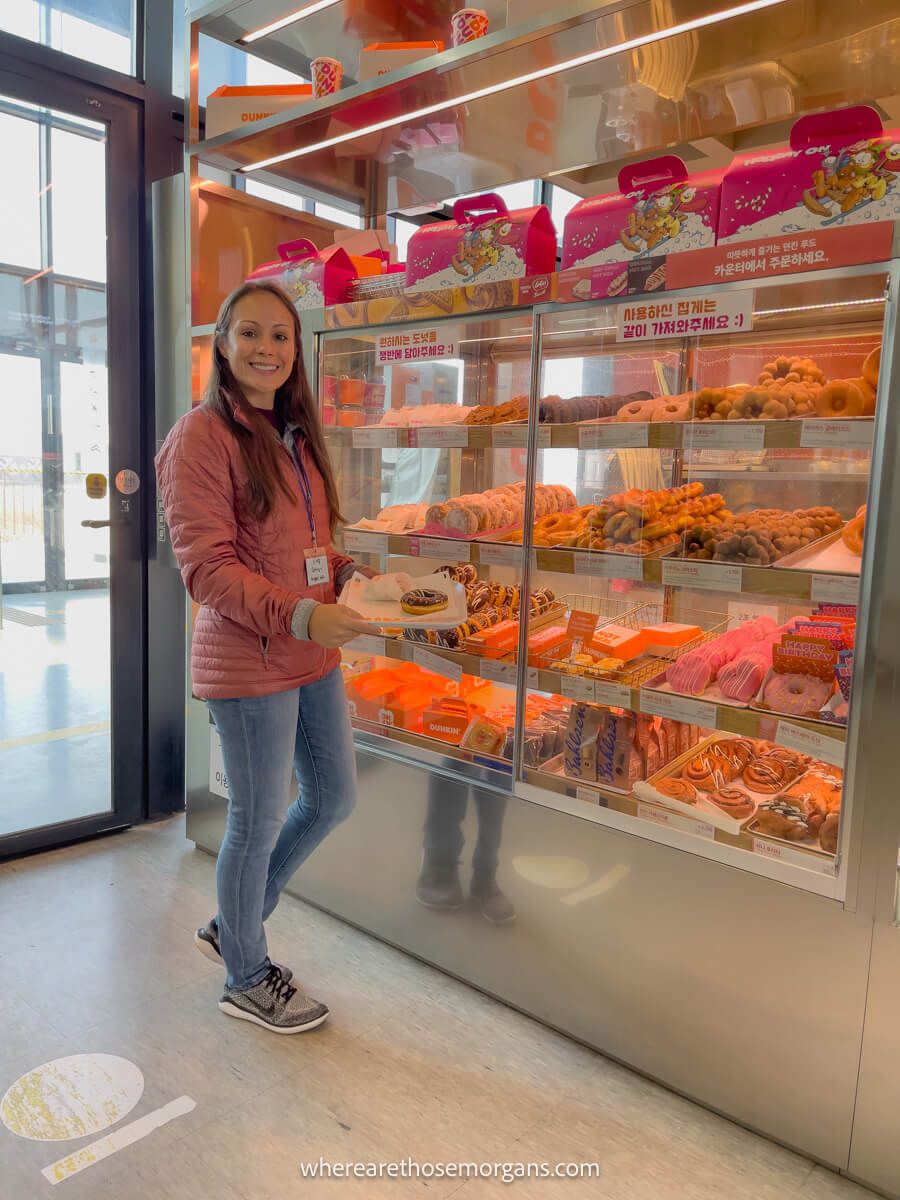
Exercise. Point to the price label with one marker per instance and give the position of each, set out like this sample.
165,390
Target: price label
710,577
533,679
500,555
615,695
433,662
385,717
810,741
362,542
678,708
614,435
588,795
811,862
514,436
374,437
366,644
453,549
727,435
740,611
498,672
835,589
854,434
575,687
608,566
440,437
661,816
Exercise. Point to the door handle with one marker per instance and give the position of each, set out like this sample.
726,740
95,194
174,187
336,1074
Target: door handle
101,524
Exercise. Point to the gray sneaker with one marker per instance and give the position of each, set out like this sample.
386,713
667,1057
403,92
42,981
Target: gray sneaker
496,906
275,1004
439,887
206,939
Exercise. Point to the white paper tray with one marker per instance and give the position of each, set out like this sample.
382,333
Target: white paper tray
389,612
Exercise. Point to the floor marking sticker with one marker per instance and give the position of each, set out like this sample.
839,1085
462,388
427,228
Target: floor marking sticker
87,1156
72,1097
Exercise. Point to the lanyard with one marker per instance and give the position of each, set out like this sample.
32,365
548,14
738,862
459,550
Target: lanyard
305,487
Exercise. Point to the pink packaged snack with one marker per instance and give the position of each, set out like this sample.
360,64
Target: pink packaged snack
659,209
311,277
483,243
841,168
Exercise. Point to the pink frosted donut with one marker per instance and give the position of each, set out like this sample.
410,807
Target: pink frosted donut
797,695
637,410
677,408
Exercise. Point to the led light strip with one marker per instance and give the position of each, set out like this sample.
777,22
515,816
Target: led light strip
594,56
772,312
283,22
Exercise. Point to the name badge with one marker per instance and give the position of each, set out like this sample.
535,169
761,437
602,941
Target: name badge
317,571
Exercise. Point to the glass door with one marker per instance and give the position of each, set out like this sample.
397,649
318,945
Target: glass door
71,568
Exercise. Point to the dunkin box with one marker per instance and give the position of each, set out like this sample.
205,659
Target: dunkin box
312,278
382,57
841,168
230,107
659,209
484,243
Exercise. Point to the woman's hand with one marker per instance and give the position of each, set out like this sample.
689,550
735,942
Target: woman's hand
332,625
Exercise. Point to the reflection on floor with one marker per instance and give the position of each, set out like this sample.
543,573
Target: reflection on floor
54,709
412,1063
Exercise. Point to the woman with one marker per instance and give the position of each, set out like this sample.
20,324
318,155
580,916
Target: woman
252,506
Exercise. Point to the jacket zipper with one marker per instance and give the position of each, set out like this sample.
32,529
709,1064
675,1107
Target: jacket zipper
263,641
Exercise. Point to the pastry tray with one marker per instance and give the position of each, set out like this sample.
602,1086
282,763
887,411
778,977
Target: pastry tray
556,766
828,555
705,810
389,612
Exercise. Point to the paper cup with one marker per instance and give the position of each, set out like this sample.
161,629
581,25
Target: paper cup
468,24
327,74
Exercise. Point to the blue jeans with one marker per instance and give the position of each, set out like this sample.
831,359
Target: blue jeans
266,840
443,834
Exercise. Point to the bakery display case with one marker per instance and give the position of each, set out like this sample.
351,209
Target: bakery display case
623,560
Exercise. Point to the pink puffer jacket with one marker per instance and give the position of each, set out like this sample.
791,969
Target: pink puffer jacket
247,575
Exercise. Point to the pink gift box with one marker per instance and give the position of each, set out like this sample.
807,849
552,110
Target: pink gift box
312,278
483,243
841,168
659,209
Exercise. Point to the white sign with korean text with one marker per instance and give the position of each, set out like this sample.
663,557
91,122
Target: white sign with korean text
695,316
417,345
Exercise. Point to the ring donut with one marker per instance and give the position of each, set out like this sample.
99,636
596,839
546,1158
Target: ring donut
840,398
637,410
871,366
676,408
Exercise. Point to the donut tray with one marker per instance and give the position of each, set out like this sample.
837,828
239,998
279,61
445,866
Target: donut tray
705,810
827,554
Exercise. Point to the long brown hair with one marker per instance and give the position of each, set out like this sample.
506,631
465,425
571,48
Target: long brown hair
294,404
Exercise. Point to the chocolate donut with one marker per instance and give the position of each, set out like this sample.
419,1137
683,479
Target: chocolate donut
423,601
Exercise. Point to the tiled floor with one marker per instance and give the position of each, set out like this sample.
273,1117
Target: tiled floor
96,956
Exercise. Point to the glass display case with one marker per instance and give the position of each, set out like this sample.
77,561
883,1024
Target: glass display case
655,524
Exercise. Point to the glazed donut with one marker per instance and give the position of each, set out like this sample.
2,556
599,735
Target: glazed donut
708,771
733,802
828,832
868,395
871,366
677,789
797,695
853,532
767,776
676,408
840,398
